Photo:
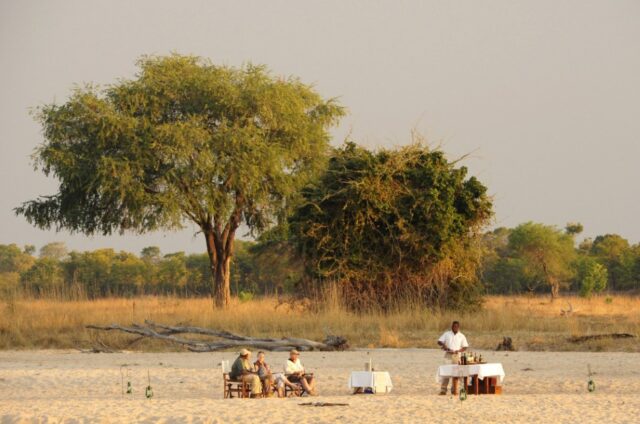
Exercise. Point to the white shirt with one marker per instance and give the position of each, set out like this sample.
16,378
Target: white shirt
291,367
453,341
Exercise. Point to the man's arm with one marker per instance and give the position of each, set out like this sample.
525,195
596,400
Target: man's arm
441,343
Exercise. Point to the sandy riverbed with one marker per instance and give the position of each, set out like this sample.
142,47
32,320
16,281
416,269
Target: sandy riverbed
60,386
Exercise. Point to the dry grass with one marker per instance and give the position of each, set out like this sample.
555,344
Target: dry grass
534,323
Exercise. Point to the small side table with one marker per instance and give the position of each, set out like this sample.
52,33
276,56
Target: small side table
377,381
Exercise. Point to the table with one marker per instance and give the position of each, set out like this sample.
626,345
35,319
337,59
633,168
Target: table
489,373
378,381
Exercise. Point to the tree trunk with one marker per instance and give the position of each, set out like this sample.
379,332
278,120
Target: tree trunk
554,284
555,289
222,281
220,252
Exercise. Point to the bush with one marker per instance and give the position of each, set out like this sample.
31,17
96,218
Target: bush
594,278
244,296
391,226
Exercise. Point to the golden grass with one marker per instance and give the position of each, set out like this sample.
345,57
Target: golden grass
534,323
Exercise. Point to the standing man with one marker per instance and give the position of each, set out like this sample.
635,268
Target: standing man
453,343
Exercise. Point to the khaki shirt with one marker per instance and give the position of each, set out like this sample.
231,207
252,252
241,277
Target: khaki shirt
239,365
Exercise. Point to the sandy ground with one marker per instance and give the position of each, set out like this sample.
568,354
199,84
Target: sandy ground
545,387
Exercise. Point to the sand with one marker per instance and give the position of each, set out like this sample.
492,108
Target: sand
544,387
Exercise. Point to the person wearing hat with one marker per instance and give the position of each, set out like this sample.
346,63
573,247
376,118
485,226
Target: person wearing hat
241,370
295,373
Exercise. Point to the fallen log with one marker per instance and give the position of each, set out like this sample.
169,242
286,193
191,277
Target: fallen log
580,339
229,340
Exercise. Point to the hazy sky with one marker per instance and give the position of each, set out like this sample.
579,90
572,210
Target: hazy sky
546,94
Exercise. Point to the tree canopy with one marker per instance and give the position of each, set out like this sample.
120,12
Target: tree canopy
547,254
392,224
185,140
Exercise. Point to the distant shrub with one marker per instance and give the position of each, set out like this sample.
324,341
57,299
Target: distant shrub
245,296
594,279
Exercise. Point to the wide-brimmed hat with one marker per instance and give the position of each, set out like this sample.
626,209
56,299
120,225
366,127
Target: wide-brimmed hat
244,352
294,352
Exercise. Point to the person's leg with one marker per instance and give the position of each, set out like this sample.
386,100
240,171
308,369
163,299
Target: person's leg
305,385
280,387
455,359
311,383
254,384
288,383
267,386
448,359
443,385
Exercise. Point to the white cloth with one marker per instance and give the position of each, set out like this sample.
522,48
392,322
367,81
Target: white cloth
481,370
291,367
378,381
453,341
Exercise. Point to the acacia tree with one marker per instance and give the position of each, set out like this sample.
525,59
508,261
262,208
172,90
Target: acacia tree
185,140
547,254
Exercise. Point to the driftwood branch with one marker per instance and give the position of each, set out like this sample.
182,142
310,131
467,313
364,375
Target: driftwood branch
226,339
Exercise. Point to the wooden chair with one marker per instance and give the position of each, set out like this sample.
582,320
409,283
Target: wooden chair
238,387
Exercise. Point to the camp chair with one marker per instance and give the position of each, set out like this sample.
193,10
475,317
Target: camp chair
298,391
239,387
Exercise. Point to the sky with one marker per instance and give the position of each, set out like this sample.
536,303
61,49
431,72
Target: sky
544,95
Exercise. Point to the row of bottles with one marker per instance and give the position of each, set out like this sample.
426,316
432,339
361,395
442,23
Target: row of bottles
470,358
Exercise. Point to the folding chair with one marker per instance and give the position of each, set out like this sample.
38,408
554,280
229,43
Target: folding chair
230,386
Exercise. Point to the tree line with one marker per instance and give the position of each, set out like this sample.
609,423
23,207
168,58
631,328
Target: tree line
534,257
57,272
529,258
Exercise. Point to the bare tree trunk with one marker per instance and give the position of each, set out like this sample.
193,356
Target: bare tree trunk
553,282
555,288
220,252
212,252
222,281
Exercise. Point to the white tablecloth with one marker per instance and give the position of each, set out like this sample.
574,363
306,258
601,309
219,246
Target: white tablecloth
379,381
481,370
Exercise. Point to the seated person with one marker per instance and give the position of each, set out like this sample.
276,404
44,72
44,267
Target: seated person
294,372
264,373
241,370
